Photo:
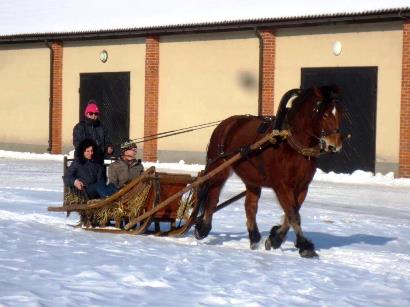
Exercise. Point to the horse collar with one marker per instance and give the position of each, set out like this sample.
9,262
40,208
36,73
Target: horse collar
304,151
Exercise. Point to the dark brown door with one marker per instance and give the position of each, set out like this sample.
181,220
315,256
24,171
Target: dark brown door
359,97
111,91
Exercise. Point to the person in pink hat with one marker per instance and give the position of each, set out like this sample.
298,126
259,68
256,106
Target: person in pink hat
91,128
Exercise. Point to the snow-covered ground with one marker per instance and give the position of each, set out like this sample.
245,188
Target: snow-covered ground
360,224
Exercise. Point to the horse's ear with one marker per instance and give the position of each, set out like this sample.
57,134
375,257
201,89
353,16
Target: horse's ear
335,91
317,92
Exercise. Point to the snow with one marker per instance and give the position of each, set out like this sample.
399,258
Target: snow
360,224
55,16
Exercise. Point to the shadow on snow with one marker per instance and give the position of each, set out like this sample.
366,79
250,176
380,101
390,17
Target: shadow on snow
321,240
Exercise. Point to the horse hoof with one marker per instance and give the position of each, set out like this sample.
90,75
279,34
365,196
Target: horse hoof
198,235
254,238
275,238
201,230
254,245
268,244
274,243
308,253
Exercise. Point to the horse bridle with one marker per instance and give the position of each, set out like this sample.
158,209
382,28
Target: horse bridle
323,134
320,148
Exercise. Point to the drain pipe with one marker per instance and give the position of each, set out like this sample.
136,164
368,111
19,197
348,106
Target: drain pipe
260,86
50,99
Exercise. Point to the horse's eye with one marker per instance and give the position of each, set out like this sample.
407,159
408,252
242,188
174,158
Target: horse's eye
325,115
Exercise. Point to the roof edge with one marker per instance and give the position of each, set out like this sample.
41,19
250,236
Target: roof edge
283,22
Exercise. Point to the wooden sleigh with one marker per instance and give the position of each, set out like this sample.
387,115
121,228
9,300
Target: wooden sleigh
140,196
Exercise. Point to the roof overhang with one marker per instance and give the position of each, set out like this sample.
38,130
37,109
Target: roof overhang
225,26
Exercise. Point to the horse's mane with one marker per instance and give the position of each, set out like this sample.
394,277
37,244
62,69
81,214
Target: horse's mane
285,113
328,93
282,109
297,103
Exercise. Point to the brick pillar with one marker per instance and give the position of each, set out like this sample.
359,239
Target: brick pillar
268,71
56,94
151,96
404,160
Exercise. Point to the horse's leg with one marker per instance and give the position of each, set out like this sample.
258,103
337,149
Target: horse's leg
251,208
305,246
291,203
204,225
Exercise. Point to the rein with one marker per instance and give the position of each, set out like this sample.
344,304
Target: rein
169,133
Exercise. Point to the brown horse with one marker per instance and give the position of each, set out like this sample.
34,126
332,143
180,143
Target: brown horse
287,167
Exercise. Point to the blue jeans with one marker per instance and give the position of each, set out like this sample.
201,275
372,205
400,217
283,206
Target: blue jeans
100,190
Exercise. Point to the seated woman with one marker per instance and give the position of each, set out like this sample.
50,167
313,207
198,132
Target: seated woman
85,174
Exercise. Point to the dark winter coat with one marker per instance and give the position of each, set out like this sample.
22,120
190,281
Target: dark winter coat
88,129
87,171
120,172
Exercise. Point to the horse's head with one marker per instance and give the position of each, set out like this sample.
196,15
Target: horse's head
327,116
314,118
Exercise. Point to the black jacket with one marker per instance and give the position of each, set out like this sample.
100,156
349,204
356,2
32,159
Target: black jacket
88,172
87,129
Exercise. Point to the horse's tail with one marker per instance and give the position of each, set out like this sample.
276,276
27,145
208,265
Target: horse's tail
282,109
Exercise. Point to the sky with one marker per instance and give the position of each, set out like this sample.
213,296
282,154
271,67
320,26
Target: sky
360,225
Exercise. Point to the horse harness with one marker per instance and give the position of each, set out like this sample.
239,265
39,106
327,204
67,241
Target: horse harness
277,136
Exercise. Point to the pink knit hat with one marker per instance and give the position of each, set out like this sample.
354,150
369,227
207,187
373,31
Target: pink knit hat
91,108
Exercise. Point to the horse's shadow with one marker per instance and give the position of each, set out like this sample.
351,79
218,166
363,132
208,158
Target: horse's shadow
326,241
320,239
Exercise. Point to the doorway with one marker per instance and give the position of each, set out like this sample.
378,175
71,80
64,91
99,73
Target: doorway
111,91
358,87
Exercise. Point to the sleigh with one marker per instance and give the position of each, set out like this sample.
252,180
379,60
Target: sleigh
141,195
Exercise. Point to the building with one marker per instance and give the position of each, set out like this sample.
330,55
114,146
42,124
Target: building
166,65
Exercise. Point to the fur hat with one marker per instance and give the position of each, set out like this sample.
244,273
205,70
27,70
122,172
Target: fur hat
91,107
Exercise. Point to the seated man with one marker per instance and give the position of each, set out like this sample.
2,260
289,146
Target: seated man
127,168
85,174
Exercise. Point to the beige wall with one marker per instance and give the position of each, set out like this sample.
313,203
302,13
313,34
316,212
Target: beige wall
123,55
363,45
24,94
205,78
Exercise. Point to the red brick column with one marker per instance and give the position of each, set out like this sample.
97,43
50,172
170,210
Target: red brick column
151,96
268,71
404,160
56,97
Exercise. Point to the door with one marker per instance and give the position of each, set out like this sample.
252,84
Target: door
358,87
111,91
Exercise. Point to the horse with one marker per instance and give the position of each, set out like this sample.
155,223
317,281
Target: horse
312,117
